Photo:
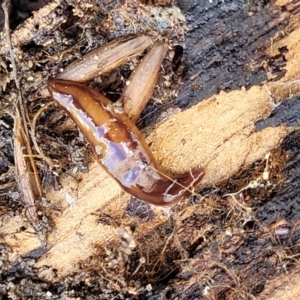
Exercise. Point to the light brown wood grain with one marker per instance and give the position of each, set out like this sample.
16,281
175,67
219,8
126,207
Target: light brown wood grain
218,134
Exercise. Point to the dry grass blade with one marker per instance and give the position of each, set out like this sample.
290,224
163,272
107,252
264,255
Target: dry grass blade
25,174
33,137
26,170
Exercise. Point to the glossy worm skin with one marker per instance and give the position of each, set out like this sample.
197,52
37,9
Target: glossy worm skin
119,147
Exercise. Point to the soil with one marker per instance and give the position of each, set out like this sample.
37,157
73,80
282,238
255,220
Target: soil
227,100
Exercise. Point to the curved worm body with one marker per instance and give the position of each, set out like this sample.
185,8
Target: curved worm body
119,147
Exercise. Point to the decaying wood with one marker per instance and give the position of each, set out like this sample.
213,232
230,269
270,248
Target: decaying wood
30,29
222,244
283,287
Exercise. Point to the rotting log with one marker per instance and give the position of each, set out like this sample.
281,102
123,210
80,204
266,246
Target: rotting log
223,243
